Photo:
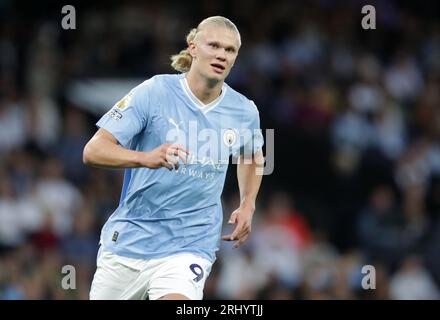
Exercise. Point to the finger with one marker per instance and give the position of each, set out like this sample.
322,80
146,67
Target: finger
241,239
167,165
240,242
237,231
227,237
233,218
181,148
172,159
177,153
178,147
182,155
173,162
244,231
230,237
170,150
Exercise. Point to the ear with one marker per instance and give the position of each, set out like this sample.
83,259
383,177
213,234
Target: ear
192,49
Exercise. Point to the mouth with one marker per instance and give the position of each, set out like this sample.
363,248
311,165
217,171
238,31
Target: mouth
218,68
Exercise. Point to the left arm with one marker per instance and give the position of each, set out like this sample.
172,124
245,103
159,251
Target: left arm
249,178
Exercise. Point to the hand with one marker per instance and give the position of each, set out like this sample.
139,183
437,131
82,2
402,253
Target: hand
166,155
243,218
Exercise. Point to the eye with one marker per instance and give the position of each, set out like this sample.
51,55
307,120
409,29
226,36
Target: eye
214,45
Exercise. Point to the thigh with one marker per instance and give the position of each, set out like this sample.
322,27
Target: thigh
115,279
183,274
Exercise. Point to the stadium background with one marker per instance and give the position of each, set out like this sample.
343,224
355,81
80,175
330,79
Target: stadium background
356,115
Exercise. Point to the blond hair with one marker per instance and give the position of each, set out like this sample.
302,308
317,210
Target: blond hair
183,60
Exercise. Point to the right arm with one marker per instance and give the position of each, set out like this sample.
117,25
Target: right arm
103,150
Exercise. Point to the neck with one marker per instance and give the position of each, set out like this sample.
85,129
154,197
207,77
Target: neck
204,89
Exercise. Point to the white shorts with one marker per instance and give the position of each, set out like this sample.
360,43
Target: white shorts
122,278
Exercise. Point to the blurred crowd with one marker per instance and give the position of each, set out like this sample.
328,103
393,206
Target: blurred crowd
356,115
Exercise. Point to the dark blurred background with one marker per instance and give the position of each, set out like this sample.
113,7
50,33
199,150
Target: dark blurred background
356,115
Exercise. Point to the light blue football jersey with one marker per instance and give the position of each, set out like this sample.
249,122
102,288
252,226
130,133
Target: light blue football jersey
163,212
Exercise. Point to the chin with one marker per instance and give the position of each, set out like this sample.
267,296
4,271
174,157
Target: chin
220,77
215,77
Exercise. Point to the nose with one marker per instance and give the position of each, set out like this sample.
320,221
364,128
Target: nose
221,54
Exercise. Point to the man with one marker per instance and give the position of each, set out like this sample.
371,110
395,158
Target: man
174,134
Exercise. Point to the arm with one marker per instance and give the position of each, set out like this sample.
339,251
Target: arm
103,150
249,180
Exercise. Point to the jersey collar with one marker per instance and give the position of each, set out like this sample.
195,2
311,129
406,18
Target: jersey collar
205,108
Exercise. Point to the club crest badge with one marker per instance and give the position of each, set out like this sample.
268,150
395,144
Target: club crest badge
229,137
